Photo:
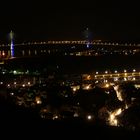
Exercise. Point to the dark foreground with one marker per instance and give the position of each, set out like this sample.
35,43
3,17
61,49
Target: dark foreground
22,123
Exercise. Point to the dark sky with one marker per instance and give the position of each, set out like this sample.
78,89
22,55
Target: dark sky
58,20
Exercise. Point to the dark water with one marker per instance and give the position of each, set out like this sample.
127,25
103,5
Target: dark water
78,64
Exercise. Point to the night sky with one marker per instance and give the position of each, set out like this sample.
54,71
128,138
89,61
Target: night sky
54,21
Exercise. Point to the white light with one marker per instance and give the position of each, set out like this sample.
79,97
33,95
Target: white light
3,54
115,71
107,85
12,93
126,106
1,83
112,118
29,83
55,117
89,117
96,82
87,87
116,79
75,115
118,112
38,102
106,72
125,79
134,70
134,78
125,71
107,92
119,95
23,85
15,83
97,72
66,95
74,89
15,72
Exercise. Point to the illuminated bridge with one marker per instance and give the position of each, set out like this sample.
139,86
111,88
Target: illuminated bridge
67,47
70,42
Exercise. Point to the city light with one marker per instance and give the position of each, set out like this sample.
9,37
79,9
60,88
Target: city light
12,93
134,79
125,79
88,77
38,102
112,118
106,72
28,83
87,87
75,115
74,89
96,82
115,78
97,72
1,83
47,91
3,54
119,95
14,72
55,117
23,85
89,117
107,85
116,71
8,85
125,70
